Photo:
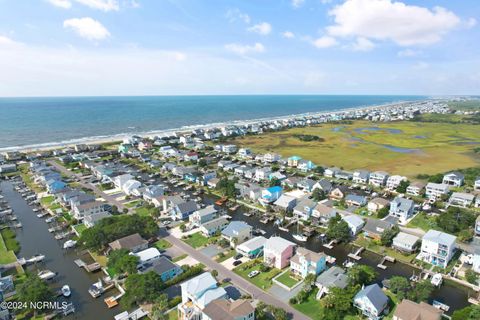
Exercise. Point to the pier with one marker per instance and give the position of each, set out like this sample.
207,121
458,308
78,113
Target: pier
382,265
89,267
356,255
330,244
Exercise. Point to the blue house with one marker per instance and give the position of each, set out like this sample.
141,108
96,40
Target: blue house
270,195
55,186
306,262
165,268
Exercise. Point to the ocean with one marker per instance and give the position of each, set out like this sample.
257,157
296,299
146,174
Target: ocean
41,122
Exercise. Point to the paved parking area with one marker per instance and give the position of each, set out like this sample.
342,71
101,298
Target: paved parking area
188,261
283,294
211,250
229,262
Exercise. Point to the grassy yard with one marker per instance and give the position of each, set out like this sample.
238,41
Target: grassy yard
132,204
180,257
162,244
287,280
145,211
225,256
262,280
372,246
9,238
423,221
173,315
79,228
422,146
311,307
196,240
6,256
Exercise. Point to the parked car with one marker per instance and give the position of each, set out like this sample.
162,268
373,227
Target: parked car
237,262
238,256
253,273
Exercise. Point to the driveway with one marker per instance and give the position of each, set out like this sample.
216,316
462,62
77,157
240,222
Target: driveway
282,293
229,262
211,250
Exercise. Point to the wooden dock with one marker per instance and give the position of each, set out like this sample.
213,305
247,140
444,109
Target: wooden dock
382,265
330,244
89,267
356,255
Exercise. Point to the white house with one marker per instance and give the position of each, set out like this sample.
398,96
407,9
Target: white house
476,260
436,190
360,176
82,210
371,301
355,223
461,199
237,232
148,255
120,180
262,173
378,178
244,152
405,242
415,188
286,202
455,179
394,181
437,248
401,208
304,208
131,187
271,157
306,262
213,226
476,185
201,216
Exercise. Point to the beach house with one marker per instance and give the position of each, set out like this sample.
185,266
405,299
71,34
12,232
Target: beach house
322,213
133,243
201,216
270,195
323,185
331,172
437,248
461,199
402,208
455,179
415,188
476,185
332,277
286,203
213,226
306,165
82,210
410,310
376,204
378,178
293,161
277,252
252,248
262,173
372,302
374,228
360,176
237,232
304,208
355,223
405,242
436,190
306,262
394,181
223,309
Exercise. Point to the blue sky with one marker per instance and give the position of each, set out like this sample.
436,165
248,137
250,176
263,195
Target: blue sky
163,47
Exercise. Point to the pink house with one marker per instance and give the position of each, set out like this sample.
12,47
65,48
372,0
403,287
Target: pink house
277,252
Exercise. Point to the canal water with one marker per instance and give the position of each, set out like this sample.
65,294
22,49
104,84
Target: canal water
34,239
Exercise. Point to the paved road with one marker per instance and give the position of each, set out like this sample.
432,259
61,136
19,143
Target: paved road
237,280
112,200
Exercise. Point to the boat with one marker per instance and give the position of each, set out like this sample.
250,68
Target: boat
96,289
440,305
69,244
35,258
66,291
50,219
437,279
41,214
46,275
300,237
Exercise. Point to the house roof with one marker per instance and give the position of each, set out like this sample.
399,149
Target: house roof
188,206
278,244
147,254
307,254
222,309
215,223
380,201
406,238
409,310
284,200
355,198
162,265
403,204
333,277
440,237
463,196
92,218
376,296
235,227
197,285
274,189
128,242
252,244
376,226
354,220
206,211
456,174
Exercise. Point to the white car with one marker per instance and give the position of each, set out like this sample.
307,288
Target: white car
253,273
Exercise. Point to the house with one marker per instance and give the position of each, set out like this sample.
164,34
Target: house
237,232
120,180
476,185
306,262
374,228
401,208
213,226
191,156
270,195
198,293
82,210
322,184
344,175
338,193
91,220
131,187
306,165
252,248
355,223
360,176
7,168
250,191
306,184
394,181
415,188
224,309
436,190
182,210
201,216
277,252
291,182
271,157
55,186
148,255
405,242
212,183
409,310
293,161
332,277
133,243
153,191
229,148
331,172
244,152
461,199
206,177
262,173
376,204
378,178
371,301
241,170
455,179
323,213
286,202
437,248
355,200
304,208
477,201
277,175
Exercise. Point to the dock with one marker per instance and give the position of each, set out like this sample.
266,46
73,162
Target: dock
89,267
382,265
135,314
356,255
330,244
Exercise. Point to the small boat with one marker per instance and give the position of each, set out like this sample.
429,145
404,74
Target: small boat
50,219
46,275
42,214
300,237
440,305
66,291
35,258
96,289
437,279
69,244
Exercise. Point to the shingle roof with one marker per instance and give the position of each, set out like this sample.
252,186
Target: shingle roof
222,309
375,295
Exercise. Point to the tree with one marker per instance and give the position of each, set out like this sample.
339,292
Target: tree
388,235
338,303
400,286
159,308
183,227
227,187
260,310
214,273
142,288
33,289
275,182
472,312
455,220
465,235
382,213
122,261
319,170
318,194
338,229
361,274
202,163
421,291
437,178
402,187
471,276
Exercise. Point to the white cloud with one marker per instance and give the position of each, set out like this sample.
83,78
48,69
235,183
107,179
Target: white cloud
288,35
470,23
104,5
391,20
263,28
87,28
325,42
363,44
245,49
179,56
65,4
407,53
7,42
298,3
235,14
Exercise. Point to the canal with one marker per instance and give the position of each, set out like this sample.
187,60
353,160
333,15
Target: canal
34,239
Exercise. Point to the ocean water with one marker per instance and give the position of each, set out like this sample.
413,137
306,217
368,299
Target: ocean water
42,121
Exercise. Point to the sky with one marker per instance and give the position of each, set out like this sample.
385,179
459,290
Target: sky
189,47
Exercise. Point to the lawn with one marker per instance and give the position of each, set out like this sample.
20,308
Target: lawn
262,280
9,238
162,244
225,256
145,211
79,228
287,280
405,147
180,257
423,221
196,240
311,307
6,256
173,315
132,204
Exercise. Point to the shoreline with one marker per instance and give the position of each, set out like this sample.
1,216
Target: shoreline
102,139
